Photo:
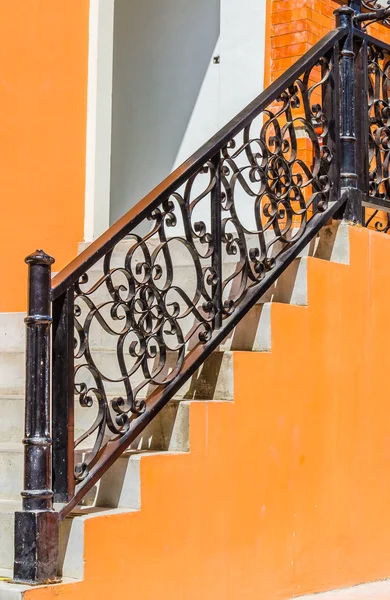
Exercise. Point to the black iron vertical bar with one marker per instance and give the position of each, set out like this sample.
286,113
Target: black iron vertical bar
348,142
330,101
216,228
362,121
63,396
36,527
356,5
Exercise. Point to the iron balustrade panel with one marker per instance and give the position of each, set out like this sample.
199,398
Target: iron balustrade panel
275,177
171,283
141,307
378,106
371,11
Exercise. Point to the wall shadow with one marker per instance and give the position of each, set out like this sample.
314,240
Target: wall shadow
162,52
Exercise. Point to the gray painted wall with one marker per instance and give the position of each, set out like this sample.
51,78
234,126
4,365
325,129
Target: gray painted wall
163,51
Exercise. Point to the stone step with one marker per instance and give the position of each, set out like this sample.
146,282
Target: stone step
118,492
119,488
251,334
179,253
290,288
328,244
331,244
7,519
12,328
11,470
169,431
155,437
211,380
11,591
12,418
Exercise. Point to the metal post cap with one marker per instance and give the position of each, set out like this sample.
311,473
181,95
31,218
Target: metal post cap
39,257
344,10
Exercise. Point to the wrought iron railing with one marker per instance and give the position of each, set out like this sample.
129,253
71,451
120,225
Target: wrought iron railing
129,328
233,213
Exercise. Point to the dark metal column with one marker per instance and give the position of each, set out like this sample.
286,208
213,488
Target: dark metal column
36,527
356,5
63,396
348,168
216,229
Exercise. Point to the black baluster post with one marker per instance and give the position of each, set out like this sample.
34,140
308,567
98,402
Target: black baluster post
216,228
36,526
348,151
356,5
63,396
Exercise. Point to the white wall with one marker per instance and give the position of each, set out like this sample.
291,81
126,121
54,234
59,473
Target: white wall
162,53
242,54
239,77
168,96
97,192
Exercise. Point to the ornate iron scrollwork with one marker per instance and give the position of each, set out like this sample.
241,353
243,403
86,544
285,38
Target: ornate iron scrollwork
154,296
376,11
376,6
379,132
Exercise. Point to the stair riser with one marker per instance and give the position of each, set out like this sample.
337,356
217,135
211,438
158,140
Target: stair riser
7,520
12,419
155,437
119,487
290,288
213,380
179,254
11,474
167,432
332,244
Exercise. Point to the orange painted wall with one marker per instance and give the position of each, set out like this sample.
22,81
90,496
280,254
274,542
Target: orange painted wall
43,96
286,490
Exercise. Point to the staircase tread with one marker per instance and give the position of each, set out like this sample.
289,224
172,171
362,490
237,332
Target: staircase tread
9,505
11,446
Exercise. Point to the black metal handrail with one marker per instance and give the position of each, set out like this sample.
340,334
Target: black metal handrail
296,155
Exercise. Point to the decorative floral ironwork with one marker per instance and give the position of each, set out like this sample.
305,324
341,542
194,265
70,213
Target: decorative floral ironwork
163,289
376,5
278,169
379,132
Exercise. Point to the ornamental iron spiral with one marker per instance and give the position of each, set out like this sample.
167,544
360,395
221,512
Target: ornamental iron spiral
379,132
154,296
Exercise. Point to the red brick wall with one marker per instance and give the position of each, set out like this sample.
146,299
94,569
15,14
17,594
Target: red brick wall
296,25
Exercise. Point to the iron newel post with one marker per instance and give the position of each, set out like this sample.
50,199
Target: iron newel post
36,526
348,142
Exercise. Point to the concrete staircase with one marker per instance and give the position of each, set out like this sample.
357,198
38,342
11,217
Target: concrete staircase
119,492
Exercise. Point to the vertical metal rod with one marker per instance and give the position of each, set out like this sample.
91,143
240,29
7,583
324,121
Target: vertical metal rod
330,102
362,117
356,5
216,228
36,526
348,171
63,397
